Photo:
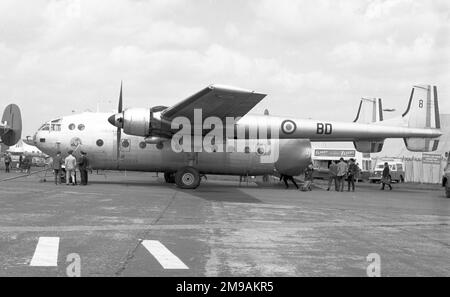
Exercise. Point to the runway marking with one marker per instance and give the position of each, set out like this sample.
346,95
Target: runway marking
165,257
46,253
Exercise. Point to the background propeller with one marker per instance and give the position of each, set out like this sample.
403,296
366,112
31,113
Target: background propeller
120,119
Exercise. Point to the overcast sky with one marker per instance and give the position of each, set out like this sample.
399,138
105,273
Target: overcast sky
314,59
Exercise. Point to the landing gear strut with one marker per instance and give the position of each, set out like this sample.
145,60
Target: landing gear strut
169,177
187,178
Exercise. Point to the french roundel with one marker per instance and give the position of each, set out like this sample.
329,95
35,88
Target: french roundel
288,127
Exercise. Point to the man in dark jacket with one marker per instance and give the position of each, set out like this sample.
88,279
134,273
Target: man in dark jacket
386,178
7,163
57,167
353,170
83,165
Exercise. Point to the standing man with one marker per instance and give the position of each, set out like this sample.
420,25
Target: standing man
7,162
57,167
332,174
71,164
341,172
21,163
83,165
386,178
353,170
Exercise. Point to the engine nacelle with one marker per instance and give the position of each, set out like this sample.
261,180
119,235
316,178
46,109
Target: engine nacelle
136,121
294,157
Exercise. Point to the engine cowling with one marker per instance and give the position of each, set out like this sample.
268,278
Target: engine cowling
136,121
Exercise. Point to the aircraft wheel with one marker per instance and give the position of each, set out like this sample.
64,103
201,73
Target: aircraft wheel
169,177
187,178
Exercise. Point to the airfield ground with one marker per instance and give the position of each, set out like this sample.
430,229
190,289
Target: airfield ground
136,225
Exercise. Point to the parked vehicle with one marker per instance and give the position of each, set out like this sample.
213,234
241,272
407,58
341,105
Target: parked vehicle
397,172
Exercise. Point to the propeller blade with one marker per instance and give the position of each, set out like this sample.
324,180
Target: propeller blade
119,139
120,109
119,130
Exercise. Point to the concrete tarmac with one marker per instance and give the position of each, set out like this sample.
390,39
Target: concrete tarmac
221,229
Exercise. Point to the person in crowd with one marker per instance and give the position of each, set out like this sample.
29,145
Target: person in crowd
352,173
286,179
332,174
341,173
7,162
83,165
309,178
71,164
57,167
26,163
21,163
386,177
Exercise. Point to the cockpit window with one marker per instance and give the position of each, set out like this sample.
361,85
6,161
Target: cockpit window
45,127
56,125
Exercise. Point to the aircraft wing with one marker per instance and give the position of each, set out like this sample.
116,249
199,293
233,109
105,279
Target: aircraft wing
215,101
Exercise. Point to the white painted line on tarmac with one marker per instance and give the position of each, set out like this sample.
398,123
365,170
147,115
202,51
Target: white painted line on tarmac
165,257
46,253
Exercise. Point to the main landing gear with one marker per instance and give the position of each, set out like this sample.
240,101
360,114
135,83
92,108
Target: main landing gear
187,178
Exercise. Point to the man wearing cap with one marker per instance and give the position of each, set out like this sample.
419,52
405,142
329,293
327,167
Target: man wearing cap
71,165
83,165
57,167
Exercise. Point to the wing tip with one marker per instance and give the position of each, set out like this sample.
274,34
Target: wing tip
231,88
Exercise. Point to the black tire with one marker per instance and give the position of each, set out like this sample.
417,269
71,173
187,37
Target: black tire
169,177
447,190
187,178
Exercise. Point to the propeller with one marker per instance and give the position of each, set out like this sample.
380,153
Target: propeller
117,120
120,120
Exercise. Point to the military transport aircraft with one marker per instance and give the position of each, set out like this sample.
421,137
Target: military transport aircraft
211,133
11,126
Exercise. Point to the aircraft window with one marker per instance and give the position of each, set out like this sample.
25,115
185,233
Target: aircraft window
100,142
142,145
260,151
81,127
56,127
45,127
125,143
72,127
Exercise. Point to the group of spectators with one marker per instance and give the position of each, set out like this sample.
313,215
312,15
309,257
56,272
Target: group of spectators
339,173
24,164
70,166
